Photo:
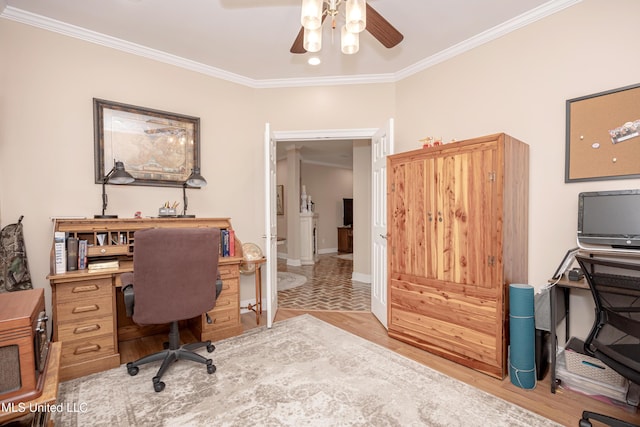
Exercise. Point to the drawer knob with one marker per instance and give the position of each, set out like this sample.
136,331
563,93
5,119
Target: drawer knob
85,329
85,309
86,349
85,288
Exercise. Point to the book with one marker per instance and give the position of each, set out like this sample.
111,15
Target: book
103,265
82,254
224,239
72,253
60,252
232,243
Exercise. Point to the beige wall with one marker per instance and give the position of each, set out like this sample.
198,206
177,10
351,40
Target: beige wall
517,84
327,186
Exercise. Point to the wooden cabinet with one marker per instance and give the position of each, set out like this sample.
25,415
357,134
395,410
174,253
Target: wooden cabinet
345,239
88,309
458,228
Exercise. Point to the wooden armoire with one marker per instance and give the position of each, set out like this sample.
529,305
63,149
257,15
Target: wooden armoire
457,237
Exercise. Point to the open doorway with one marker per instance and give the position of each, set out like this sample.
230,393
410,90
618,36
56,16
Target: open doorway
329,170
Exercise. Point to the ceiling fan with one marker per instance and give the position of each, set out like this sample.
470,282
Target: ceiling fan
376,25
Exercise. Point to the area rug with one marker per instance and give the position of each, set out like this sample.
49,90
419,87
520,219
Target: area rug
301,372
288,280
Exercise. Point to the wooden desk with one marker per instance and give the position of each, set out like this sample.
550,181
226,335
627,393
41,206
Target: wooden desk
88,310
257,307
562,288
49,391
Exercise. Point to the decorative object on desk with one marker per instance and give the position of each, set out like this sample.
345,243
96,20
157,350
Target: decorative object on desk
14,268
195,180
308,378
603,135
250,252
117,175
522,368
158,147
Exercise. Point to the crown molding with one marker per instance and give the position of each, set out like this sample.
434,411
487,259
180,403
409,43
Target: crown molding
18,15
498,31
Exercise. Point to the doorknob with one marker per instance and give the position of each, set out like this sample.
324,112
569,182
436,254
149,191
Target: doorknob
383,236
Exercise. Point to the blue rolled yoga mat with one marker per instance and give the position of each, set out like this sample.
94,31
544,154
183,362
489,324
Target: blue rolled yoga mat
522,336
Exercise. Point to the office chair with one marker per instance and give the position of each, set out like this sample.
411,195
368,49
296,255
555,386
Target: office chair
175,277
615,336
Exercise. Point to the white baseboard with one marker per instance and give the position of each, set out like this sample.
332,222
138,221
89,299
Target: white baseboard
327,251
359,277
294,262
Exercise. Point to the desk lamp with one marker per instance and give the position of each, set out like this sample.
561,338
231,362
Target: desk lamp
117,175
195,180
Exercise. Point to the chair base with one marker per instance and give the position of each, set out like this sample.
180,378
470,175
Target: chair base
613,422
173,353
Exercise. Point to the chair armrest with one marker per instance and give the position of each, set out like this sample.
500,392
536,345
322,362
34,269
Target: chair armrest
127,292
218,286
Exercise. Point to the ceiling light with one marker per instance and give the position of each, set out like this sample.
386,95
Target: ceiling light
314,13
314,60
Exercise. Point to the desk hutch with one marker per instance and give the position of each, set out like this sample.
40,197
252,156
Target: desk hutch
88,308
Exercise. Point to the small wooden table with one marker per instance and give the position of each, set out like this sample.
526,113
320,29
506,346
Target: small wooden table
257,307
49,390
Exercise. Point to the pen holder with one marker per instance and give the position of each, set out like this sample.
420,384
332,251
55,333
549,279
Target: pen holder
167,212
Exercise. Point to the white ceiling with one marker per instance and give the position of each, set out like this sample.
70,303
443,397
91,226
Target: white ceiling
248,41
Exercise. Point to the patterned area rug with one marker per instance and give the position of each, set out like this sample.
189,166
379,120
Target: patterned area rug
288,280
303,371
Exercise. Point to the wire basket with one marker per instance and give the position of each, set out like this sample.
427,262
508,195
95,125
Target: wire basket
590,367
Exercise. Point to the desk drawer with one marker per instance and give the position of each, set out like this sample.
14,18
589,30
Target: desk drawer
228,271
83,290
223,317
226,301
90,308
87,349
84,330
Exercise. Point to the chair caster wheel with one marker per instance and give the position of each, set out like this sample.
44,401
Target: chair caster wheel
211,368
158,385
132,370
210,348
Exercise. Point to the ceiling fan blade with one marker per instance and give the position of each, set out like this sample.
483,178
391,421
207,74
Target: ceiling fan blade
381,29
296,47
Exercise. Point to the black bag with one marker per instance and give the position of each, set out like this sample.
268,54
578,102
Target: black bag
14,269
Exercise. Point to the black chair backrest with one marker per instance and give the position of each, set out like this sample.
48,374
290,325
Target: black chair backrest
615,336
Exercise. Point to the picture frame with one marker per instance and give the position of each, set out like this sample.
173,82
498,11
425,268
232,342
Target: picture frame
158,148
280,199
603,135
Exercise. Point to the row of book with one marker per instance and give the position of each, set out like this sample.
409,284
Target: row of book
227,242
71,255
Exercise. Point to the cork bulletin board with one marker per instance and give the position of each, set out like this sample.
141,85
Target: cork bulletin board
603,136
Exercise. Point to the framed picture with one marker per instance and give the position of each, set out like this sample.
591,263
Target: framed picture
157,148
603,136
280,199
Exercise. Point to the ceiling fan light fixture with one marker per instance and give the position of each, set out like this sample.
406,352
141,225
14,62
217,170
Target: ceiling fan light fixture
356,15
349,42
311,16
312,40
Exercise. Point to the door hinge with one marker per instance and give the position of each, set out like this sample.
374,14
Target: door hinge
491,260
492,176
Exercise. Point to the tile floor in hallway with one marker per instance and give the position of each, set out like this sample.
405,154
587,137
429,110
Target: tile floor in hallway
328,287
